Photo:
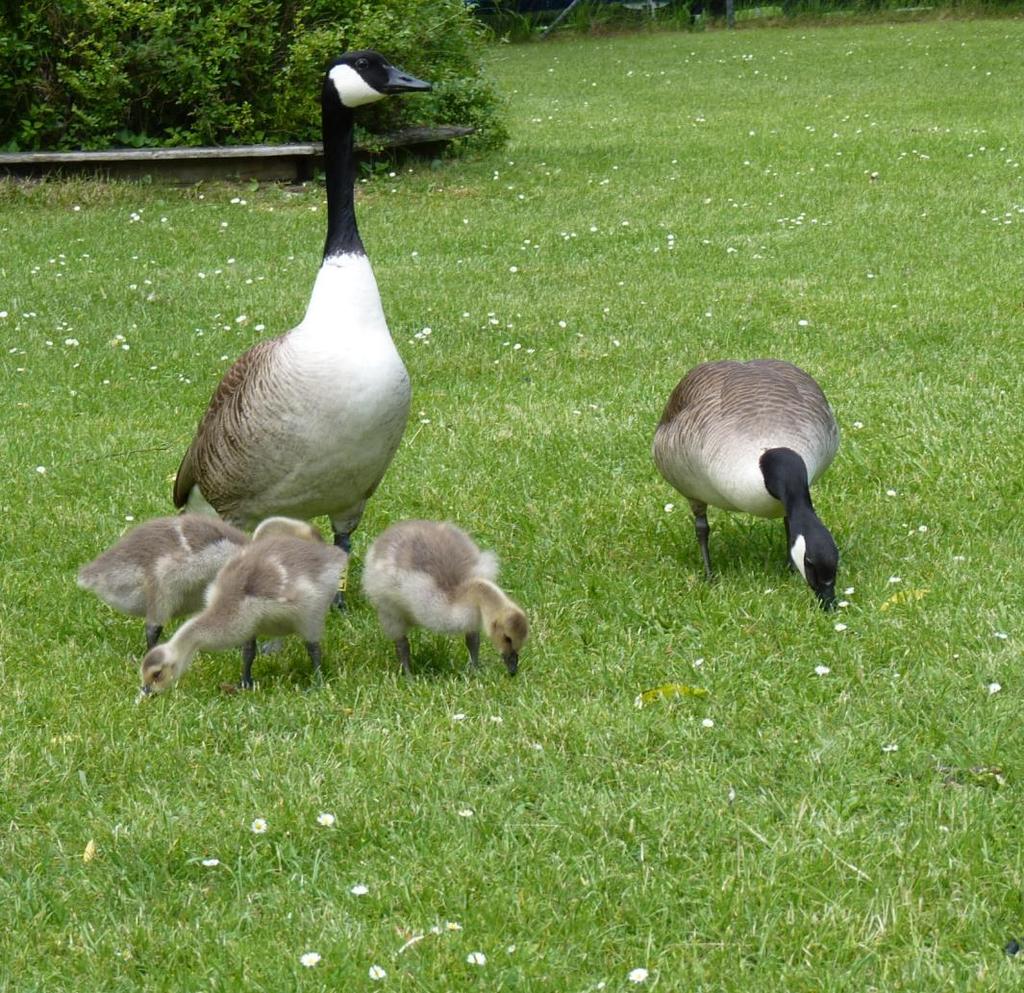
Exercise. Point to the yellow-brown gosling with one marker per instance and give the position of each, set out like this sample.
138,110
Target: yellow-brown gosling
430,574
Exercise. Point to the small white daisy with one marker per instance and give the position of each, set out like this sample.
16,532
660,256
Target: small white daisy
638,976
210,863
707,722
840,626
325,820
466,812
452,926
821,670
890,748
376,972
360,889
476,958
309,959
994,688
258,826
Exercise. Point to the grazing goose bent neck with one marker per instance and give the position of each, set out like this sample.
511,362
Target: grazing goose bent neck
811,546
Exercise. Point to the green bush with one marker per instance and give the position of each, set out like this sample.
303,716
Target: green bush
98,73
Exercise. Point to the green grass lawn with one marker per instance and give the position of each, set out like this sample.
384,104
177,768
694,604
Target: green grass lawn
850,199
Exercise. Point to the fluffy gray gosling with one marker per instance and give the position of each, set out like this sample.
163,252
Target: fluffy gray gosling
277,585
430,574
160,569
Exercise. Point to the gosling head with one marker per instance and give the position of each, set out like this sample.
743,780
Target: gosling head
160,670
508,630
286,527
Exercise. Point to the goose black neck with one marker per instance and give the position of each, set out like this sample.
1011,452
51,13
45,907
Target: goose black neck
340,171
785,478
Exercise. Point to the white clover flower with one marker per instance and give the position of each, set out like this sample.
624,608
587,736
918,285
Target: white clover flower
707,722
993,688
309,959
41,469
476,958
638,976
325,820
466,812
360,889
452,926
376,972
258,826
821,670
458,717
840,626
890,748
669,507
210,863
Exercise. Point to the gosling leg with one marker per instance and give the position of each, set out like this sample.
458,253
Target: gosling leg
473,644
248,654
153,632
402,650
313,649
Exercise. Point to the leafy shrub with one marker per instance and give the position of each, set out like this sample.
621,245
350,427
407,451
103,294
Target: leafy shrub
96,73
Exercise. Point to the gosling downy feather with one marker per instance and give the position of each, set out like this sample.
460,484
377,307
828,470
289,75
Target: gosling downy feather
431,574
276,585
161,568
307,423
752,437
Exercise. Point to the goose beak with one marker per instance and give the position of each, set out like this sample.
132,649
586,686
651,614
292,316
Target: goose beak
511,660
827,597
401,82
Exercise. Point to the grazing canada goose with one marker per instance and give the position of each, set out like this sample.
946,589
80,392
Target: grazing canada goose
307,423
753,436
160,569
275,585
430,574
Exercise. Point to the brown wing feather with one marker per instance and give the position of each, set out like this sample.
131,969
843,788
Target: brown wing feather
219,425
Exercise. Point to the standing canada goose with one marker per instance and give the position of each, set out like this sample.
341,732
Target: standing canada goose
307,423
430,574
160,569
753,436
276,585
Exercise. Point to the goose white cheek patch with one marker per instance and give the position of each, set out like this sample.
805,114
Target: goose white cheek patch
353,90
796,553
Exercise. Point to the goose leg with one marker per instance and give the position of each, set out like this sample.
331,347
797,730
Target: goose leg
700,525
313,648
473,644
402,650
789,545
153,632
248,654
343,540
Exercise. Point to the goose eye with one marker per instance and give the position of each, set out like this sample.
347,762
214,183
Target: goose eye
362,63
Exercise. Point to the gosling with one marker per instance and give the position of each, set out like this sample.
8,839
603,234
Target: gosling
160,569
277,585
430,574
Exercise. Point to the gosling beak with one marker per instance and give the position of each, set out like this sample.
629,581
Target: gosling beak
145,692
401,82
511,660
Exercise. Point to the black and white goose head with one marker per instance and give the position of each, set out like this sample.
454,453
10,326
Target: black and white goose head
366,76
812,548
